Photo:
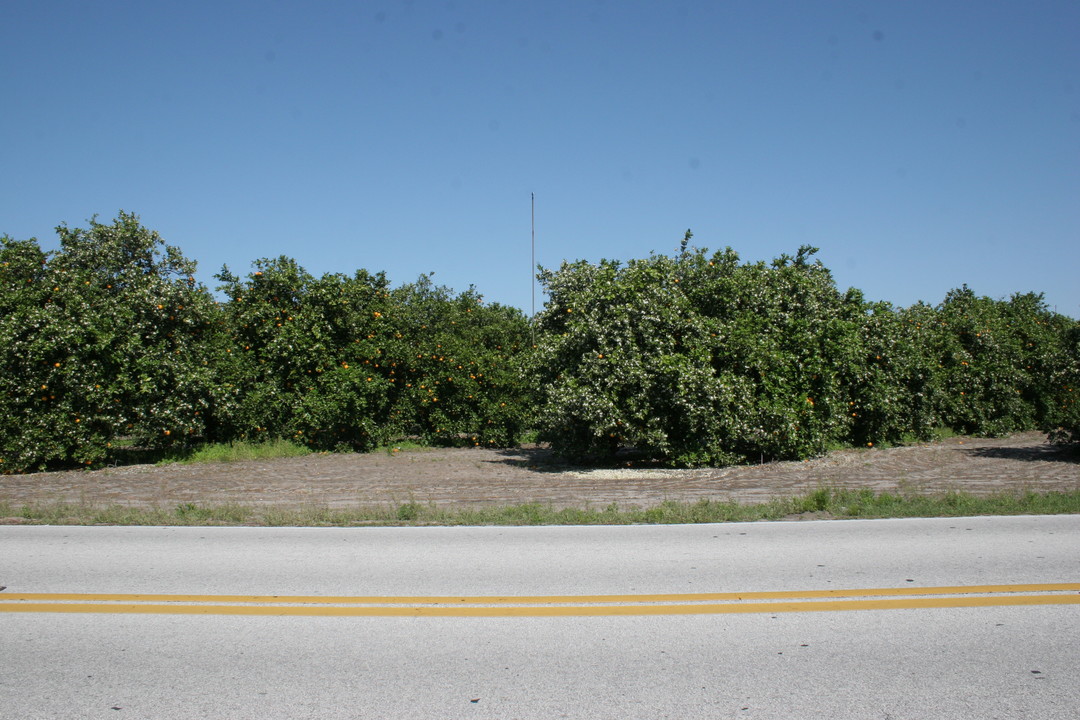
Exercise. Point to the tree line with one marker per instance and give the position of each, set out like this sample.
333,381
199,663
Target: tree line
109,343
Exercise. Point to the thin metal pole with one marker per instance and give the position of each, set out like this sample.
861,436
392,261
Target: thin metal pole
532,268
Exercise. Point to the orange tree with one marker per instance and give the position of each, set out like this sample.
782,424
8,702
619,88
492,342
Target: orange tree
456,366
898,386
622,360
305,356
345,362
786,330
972,364
1041,338
1062,418
997,361
106,339
695,359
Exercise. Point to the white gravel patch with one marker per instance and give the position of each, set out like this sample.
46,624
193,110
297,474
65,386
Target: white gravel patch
627,474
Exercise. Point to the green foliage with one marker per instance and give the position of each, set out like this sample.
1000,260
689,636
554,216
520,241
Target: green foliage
345,363
982,365
894,393
695,359
109,349
238,451
303,356
456,366
699,359
106,338
825,502
1062,418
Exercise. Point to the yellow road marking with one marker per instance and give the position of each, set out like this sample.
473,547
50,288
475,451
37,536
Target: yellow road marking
544,599
546,605
545,610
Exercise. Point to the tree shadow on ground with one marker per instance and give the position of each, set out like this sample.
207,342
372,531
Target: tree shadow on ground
1044,452
541,458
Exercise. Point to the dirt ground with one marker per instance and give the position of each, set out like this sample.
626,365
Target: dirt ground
472,477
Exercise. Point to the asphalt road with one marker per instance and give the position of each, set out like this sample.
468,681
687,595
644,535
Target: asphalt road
950,618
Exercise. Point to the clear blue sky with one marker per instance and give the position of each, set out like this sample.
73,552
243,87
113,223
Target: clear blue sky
921,145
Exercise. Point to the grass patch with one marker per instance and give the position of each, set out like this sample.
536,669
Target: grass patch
400,447
821,503
234,452
936,435
85,514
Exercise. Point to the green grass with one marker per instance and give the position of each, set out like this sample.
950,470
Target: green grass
936,435
400,447
233,452
822,503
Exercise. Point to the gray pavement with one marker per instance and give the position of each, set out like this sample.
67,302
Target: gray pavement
984,662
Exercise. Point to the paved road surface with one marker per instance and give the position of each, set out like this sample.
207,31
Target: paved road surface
718,621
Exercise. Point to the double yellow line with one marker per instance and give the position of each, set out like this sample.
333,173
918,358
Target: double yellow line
547,605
